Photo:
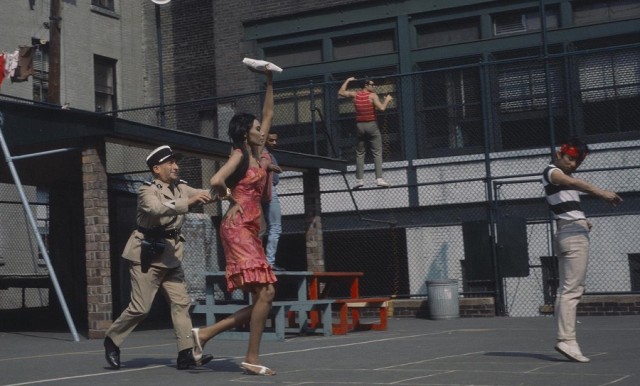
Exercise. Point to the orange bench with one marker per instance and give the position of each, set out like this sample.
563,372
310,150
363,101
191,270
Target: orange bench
343,306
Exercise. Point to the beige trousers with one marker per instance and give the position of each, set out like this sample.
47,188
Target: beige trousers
572,249
144,287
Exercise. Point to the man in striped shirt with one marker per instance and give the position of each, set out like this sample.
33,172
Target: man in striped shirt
572,238
366,101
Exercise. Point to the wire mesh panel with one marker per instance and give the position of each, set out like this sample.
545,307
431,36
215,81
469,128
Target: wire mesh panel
24,279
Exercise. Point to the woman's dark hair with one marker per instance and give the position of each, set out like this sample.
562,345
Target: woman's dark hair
239,127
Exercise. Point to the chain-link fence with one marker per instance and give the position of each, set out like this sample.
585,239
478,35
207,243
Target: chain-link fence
465,144
25,278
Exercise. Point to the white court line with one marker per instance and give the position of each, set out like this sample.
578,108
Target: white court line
79,353
218,359
431,359
425,376
356,343
615,381
84,376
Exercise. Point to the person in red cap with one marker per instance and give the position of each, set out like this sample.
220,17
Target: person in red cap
572,238
155,251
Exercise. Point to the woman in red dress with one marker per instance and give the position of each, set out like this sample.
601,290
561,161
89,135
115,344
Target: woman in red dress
241,181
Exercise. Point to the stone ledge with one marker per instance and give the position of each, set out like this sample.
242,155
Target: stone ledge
469,308
603,305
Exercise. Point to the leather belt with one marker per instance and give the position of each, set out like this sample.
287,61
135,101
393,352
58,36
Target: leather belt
160,233
561,222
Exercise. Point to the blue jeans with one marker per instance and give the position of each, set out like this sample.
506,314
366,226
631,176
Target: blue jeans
273,218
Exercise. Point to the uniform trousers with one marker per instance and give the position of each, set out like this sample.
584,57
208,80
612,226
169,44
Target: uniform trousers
368,133
144,287
572,250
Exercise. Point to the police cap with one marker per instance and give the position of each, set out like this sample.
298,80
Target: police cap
160,155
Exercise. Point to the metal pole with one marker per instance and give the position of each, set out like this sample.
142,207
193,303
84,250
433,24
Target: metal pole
313,118
545,57
53,93
160,72
34,227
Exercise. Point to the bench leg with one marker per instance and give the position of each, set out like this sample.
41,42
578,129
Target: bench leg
326,320
381,326
342,326
280,320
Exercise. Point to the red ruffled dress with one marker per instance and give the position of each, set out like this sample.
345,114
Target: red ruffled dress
244,254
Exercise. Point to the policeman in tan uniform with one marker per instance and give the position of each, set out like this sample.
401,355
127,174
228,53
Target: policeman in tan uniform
155,250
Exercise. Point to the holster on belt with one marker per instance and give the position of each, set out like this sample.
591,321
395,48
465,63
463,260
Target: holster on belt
152,246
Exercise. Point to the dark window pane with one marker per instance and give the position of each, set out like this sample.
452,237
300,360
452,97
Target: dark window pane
355,46
295,54
449,32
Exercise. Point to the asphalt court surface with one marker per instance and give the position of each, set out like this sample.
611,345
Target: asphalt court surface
483,351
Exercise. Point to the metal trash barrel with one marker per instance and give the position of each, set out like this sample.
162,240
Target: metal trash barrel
443,299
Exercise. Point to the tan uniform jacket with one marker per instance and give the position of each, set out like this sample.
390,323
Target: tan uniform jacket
158,206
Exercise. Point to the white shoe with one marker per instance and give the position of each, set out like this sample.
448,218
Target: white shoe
571,350
358,184
382,183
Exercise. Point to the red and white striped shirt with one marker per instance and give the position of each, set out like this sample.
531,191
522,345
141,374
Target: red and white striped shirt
365,111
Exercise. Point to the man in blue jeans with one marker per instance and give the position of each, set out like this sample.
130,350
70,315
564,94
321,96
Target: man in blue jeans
571,240
270,201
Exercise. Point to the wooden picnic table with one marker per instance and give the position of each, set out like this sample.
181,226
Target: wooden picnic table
295,311
325,285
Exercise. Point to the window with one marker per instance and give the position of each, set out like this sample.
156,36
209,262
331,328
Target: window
521,105
106,4
293,118
295,54
589,12
355,46
104,83
451,113
449,32
41,72
610,91
523,21
524,88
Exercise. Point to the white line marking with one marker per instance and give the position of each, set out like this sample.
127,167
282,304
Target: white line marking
426,376
85,376
431,359
615,381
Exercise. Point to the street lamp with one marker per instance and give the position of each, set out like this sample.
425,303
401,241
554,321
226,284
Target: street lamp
158,3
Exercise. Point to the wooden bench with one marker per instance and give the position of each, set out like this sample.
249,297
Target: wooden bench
343,306
280,314
24,281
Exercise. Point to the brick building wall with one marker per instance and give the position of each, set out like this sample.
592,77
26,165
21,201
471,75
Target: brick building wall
231,44
188,46
97,255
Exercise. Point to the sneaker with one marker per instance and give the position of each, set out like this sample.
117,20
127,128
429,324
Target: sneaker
358,184
571,350
382,183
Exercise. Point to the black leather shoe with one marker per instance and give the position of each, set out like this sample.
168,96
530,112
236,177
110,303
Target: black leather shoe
187,360
111,353
277,268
